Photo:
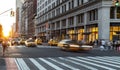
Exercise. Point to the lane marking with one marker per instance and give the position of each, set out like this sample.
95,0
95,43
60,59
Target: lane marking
68,66
105,60
77,63
21,64
39,66
51,64
91,63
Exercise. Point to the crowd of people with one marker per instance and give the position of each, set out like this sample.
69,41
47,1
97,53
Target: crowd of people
107,45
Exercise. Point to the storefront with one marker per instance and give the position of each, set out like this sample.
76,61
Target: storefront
115,31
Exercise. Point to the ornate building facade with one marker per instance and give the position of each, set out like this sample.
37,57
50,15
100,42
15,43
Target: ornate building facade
78,19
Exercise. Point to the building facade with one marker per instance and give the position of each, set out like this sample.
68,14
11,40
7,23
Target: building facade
28,15
19,4
78,19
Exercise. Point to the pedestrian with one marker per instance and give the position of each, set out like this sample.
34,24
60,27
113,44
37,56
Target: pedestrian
109,45
103,43
118,45
4,46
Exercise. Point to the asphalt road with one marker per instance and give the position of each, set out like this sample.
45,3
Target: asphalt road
52,58
52,51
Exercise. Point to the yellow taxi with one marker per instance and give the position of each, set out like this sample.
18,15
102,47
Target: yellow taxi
72,45
38,41
22,41
52,42
30,43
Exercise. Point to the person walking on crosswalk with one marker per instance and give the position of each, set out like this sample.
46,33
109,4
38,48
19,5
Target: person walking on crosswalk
4,46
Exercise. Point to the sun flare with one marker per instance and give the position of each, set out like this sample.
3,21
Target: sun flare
6,31
6,34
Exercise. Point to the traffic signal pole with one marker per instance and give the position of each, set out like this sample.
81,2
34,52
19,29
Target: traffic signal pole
6,11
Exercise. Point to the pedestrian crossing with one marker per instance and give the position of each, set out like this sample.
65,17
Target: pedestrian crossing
69,63
38,46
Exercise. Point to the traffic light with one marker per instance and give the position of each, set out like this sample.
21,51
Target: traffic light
116,3
12,13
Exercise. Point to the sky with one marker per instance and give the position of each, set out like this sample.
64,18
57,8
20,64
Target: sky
5,19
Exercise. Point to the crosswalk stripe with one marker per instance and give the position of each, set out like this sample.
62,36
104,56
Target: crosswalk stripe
21,64
51,64
99,62
91,63
46,47
40,67
86,66
69,66
115,59
105,60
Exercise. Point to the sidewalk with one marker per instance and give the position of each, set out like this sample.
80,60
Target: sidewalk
10,64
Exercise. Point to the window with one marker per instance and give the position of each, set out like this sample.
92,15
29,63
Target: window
53,13
118,12
70,21
58,2
93,15
82,1
49,8
64,8
53,5
112,12
58,24
78,3
58,11
63,22
46,3
115,13
80,18
49,1
72,4
69,5
45,10
49,15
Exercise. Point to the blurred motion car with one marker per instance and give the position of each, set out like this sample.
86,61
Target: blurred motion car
52,42
38,41
22,41
30,43
14,41
72,45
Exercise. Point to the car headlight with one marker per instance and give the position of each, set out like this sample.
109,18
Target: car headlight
72,45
